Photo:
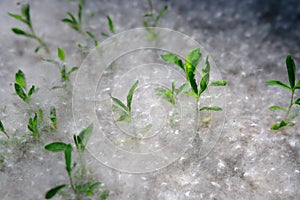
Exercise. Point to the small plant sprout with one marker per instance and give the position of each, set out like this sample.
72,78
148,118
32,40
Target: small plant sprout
111,27
25,18
150,19
193,59
124,111
53,118
64,73
21,88
289,116
171,94
2,129
33,127
75,24
81,187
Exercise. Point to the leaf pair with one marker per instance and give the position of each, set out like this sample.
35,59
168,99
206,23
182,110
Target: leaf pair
293,86
25,18
170,95
124,111
72,21
20,87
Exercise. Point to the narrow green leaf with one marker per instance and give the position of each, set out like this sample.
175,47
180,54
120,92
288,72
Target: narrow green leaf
276,108
278,83
279,125
162,12
130,94
291,69
79,14
2,127
171,58
72,17
183,88
85,134
18,17
31,91
25,9
213,108
61,54
205,79
104,195
75,68
93,38
37,49
20,92
120,103
110,24
56,147
297,101
20,79
218,83
53,191
68,158
21,32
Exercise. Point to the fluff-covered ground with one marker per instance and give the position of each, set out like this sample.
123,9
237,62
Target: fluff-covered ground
248,40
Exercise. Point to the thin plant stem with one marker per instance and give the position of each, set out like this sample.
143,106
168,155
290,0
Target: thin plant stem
290,106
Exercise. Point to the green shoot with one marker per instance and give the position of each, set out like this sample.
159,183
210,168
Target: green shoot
33,127
75,24
79,187
24,17
20,87
151,20
171,94
289,116
64,73
2,129
193,59
124,111
111,27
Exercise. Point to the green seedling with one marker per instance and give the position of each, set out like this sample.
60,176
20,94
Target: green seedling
289,116
124,111
171,94
64,73
189,68
33,127
53,118
21,88
80,187
2,129
25,18
75,24
150,19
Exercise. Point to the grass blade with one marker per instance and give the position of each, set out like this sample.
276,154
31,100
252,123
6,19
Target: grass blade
130,94
53,191
291,68
171,58
278,83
